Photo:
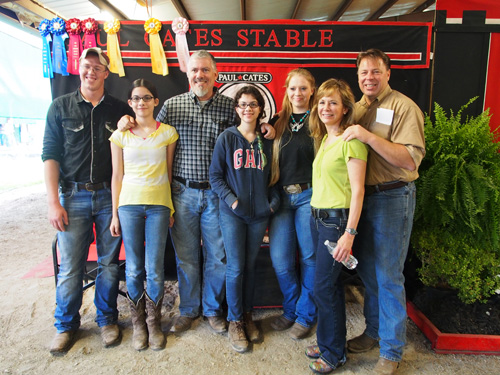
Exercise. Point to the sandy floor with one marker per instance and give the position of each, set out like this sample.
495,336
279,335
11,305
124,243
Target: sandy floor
27,306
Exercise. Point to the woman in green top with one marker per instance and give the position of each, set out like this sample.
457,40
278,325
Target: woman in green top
338,189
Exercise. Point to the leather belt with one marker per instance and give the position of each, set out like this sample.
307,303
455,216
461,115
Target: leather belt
296,188
89,186
370,189
324,213
203,185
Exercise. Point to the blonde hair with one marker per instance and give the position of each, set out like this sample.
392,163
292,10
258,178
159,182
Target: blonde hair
281,124
328,88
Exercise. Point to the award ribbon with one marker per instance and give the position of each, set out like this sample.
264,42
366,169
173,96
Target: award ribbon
59,56
158,59
73,28
114,54
44,28
89,27
181,26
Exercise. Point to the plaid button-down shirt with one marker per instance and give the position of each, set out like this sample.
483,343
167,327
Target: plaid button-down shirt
198,128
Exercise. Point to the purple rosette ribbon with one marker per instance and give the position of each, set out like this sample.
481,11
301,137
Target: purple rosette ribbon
44,29
59,55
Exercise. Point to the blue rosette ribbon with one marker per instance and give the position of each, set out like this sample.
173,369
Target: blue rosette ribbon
59,55
44,29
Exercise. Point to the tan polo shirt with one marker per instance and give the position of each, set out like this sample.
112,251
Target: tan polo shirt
395,117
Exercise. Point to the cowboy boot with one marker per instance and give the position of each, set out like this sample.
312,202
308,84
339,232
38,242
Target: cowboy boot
138,315
157,339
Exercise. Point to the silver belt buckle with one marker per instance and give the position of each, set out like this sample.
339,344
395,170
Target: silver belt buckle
293,189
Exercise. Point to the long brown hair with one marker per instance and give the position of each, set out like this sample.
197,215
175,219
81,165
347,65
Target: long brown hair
328,88
281,124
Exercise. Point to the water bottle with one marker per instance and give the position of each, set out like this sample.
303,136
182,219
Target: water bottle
350,263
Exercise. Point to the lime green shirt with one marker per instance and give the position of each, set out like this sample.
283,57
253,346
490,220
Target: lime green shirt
145,179
331,185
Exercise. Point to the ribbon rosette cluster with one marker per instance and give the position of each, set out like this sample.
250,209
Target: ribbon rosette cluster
158,59
89,27
74,28
181,26
59,56
115,58
44,29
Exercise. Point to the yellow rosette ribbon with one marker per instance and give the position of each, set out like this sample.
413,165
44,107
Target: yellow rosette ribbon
158,59
115,57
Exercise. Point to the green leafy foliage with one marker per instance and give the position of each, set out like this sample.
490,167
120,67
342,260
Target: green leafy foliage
457,220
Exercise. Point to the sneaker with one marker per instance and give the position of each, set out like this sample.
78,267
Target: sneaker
218,324
181,324
251,328
385,367
361,344
298,331
62,342
237,338
281,323
110,335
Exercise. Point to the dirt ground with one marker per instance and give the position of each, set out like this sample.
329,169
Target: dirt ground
27,307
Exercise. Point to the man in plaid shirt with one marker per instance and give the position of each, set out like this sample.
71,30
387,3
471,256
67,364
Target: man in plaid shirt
199,116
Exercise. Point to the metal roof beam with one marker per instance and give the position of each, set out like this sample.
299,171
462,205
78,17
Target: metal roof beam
107,7
243,8
179,6
346,4
296,10
423,6
380,11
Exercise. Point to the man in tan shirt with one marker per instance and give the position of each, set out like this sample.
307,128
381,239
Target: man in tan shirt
392,125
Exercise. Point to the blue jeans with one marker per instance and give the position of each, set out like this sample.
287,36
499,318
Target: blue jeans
329,291
381,248
145,262
290,226
196,219
242,241
85,209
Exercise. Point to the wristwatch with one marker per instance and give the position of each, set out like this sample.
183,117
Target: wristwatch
351,231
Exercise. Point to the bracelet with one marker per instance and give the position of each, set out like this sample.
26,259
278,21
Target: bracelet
351,231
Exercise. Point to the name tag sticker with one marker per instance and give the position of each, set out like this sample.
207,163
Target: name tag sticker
384,116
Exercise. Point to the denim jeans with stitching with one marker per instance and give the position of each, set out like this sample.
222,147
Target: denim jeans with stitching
381,248
144,231
86,209
201,277
289,231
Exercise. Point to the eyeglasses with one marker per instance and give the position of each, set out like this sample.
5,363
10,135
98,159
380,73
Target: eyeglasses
145,98
98,69
245,105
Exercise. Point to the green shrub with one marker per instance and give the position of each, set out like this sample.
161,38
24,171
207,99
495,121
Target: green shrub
457,219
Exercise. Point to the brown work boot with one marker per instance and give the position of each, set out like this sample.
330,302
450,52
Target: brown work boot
251,328
218,324
62,342
157,339
281,323
181,324
110,335
299,332
385,367
237,338
361,344
138,315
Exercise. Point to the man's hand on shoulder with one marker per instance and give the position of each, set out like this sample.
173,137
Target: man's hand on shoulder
267,130
125,123
357,132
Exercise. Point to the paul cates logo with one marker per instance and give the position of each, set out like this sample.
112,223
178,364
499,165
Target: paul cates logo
248,77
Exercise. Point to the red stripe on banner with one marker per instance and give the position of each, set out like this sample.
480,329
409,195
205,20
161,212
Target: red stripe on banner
491,97
455,8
